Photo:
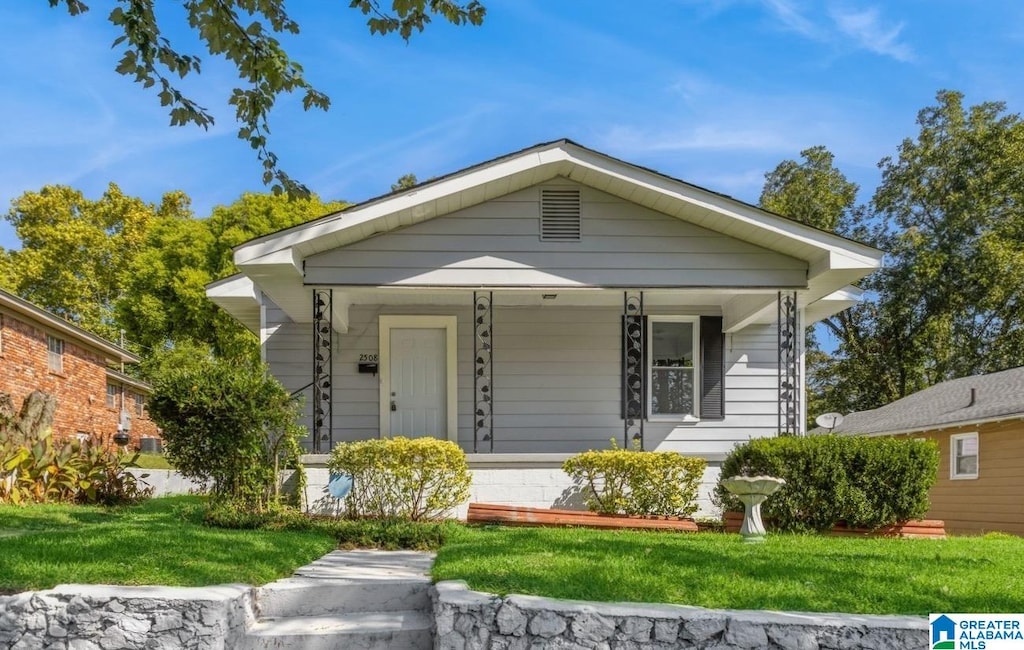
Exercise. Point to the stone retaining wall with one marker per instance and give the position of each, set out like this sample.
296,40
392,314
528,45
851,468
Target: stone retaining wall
86,617
470,620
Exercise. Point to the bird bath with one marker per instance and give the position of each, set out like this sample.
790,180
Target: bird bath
752,491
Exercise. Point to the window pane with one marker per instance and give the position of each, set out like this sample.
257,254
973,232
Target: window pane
967,465
672,391
966,454
671,345
967,446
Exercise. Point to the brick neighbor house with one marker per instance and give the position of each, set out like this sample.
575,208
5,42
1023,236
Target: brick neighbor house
41,351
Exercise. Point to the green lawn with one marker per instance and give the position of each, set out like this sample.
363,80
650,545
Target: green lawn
787,572
160,541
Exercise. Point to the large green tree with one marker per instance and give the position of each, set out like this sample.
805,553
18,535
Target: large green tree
244,32
74,250
165,299
949,213
815,192
120,263
812,191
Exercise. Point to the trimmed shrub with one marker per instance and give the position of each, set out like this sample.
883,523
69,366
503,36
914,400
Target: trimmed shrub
403,478
387,534
228,422
864,482
651,483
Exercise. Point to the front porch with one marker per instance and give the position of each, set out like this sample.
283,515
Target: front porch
546,371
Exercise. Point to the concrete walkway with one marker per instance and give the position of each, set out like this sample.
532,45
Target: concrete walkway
350,599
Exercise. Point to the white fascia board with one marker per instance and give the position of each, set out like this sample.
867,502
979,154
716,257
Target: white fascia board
235,286
239,297
735,210
832,304
421,201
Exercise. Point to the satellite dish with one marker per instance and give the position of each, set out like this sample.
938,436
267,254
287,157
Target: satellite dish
829,420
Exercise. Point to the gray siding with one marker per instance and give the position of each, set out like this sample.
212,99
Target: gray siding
556,379
497,243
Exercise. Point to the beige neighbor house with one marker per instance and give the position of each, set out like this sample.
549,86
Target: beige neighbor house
978,423
542,304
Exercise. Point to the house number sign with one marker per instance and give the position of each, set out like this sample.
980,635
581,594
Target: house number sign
367,358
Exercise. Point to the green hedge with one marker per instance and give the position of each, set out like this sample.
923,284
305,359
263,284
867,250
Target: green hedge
619,481
403,478
387,534
865,482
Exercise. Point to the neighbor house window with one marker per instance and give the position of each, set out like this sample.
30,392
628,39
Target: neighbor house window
113,392
963,455
140,403
672,355
55,353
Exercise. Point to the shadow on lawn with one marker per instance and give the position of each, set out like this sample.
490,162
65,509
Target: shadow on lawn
717,570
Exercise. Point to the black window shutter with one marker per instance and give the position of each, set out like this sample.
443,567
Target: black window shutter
712,368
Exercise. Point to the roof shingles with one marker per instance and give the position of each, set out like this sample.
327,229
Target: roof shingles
998,394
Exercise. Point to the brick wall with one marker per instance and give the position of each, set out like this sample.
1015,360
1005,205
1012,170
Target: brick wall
80,387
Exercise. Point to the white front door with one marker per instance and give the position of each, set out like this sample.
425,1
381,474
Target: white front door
418,384
418,380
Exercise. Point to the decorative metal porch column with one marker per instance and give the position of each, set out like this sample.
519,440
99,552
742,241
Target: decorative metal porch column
483,370
323,378
789,364
634,378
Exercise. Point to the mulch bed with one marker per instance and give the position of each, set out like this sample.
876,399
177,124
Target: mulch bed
488,513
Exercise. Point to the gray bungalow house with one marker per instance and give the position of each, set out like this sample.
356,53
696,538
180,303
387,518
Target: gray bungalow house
542,304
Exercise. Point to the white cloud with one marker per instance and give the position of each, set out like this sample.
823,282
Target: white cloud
794,19
866,28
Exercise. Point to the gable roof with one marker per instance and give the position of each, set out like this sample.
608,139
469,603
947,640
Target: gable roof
274,263
998,395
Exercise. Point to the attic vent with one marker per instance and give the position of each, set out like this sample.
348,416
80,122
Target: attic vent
560,214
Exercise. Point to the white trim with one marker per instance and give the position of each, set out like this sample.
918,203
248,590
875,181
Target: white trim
953,439
450,324
649,368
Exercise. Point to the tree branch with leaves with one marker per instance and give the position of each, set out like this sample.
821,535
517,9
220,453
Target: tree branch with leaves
244,32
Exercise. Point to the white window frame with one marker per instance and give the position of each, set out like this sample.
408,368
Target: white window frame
139,403
54,358
953,439
1,335
649,369
450,325
113,396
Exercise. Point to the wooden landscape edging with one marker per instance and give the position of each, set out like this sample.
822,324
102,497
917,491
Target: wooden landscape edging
918,528
489,513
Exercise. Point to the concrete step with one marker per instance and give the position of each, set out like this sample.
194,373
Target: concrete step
326,596
402,630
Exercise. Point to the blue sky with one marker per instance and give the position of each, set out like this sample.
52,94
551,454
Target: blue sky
716,92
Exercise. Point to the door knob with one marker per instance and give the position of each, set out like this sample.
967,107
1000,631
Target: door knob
394,407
